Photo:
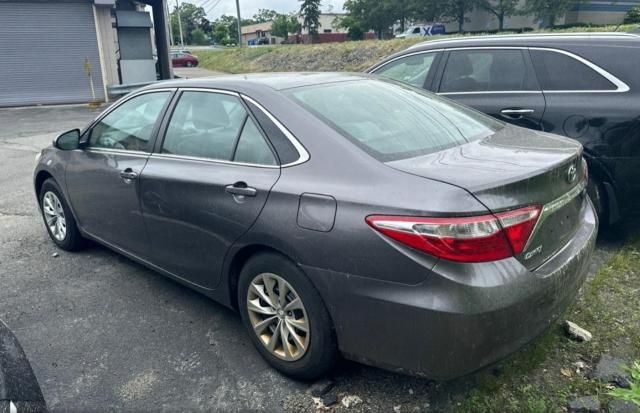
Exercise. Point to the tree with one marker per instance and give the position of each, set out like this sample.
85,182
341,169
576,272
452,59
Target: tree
198,37
192,17
500,9
457,9
284,24
632,16
310,12
264,15
221,33
231,28
376,15
354,29
549,10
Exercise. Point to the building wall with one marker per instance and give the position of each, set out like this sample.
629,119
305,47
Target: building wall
107,39
326,21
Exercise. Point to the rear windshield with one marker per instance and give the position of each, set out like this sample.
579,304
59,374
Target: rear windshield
392,121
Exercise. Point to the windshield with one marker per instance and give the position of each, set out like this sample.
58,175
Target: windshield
392,121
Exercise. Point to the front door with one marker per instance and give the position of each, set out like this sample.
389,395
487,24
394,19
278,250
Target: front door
102,177
206,185
498,82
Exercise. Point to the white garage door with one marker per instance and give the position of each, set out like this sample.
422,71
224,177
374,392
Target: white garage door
43,47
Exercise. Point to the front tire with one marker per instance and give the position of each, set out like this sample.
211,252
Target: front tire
58,219
285,317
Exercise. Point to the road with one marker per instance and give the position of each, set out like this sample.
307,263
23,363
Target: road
104,333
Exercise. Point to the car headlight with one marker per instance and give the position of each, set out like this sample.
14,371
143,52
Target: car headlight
38,156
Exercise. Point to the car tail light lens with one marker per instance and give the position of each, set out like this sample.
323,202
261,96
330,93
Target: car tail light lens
462,239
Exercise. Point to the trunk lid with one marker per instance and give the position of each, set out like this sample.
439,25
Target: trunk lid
512,168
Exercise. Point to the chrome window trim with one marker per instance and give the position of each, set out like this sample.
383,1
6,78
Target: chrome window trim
375,68
210,90
493,92
302,152
109,151
209,160
537,36
621,87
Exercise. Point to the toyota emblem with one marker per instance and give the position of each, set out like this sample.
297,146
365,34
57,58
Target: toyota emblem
572,173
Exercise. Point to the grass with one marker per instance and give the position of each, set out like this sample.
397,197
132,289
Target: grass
542,377
346,56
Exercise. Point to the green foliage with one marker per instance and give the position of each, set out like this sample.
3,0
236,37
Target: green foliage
264,15
192,17
456,10
310,12
198,37
632,394
376,15
284,24
500,9
549,10
632,16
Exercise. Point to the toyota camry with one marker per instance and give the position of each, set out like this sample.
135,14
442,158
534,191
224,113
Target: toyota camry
339,214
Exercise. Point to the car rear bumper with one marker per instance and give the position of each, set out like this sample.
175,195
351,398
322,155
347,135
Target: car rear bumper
462,317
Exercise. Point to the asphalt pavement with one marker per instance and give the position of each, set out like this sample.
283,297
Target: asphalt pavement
106,334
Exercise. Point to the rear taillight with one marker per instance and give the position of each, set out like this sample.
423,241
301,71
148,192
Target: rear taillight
462,239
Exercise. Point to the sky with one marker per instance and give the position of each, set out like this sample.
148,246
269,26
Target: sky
216,8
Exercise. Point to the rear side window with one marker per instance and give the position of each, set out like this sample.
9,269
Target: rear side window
557,71
487,71
391,121
411,69
252,148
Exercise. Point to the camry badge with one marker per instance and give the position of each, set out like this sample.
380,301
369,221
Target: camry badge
571,174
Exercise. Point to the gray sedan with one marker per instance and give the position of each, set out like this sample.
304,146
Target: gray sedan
338,213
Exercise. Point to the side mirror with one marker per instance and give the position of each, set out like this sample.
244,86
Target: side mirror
68,141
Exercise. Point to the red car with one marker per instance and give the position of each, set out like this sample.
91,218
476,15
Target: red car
183,59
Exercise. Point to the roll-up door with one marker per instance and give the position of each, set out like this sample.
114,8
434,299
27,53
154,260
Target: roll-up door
44,46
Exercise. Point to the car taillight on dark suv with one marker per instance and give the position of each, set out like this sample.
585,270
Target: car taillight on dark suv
481,238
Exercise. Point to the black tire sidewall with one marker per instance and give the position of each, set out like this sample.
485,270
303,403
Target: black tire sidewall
73,239
596,193
322,351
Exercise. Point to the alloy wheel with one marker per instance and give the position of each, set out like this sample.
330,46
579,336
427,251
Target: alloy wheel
54,215
278,316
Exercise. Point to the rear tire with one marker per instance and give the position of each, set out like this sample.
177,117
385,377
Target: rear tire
310,354
598,196
58,219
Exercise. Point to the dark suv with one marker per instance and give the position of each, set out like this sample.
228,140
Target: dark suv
584,86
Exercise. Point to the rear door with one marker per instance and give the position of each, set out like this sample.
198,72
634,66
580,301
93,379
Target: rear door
206,183
500,82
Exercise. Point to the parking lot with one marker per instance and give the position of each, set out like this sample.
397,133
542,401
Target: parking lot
104,333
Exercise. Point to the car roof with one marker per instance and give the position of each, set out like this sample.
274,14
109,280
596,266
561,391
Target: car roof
526,39
246,83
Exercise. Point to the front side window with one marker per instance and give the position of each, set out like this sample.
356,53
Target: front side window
558,71
411,69
215,126
130,125
391,121
487,71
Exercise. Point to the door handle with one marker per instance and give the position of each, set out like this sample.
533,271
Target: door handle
240,188
128,175
516,113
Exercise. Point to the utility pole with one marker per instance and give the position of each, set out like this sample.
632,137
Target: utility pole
239,24
168,20
180,24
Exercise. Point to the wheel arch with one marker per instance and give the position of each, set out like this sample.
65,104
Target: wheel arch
41,176
604,176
